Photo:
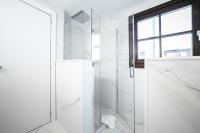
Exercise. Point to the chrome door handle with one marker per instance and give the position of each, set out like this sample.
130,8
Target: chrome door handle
198,34
1,67
132,72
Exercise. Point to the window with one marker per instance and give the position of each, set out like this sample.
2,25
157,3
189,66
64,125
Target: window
167,30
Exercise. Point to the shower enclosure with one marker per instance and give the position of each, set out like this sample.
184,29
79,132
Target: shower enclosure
117,84
82,42
113,85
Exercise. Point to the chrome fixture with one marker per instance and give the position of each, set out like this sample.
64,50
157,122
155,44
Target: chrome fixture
81,17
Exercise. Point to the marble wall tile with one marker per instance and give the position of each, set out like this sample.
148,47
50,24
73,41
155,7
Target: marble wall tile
173,96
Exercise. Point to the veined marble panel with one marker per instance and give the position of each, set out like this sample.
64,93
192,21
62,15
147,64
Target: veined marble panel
173,96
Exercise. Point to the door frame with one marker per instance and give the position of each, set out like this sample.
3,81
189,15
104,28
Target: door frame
53,38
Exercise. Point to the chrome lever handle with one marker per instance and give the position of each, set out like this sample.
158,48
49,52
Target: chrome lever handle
131,72
198,34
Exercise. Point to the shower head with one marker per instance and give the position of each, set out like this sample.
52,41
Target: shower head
81,17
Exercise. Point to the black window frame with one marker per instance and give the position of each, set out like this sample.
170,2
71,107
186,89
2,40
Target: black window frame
158,11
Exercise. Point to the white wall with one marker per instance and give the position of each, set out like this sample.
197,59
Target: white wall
60,27
115,56
74,91
59,41
108,47
108,66
172,95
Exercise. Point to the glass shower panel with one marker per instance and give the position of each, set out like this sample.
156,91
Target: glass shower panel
125,83
96,65
77,35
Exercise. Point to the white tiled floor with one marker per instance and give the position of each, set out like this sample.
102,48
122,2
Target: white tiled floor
53,127
121,127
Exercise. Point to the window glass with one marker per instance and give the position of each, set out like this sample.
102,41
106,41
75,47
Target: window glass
179,20
148,49
148,28
180,45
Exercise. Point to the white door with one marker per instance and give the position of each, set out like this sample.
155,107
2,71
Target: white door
25,67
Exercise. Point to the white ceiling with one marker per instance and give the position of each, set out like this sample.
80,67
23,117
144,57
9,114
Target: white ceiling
104,8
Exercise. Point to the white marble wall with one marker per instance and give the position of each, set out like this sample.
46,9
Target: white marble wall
115,71
74,89
139,100
108,67
173,96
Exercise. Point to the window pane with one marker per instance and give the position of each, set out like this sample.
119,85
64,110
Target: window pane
177,21
148,49
148,28
177,46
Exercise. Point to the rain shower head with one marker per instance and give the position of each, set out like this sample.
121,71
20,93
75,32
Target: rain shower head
81,17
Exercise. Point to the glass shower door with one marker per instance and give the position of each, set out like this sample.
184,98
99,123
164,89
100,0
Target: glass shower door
124,81
96,65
